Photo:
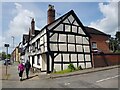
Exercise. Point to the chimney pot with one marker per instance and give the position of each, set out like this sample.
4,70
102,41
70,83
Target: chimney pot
33,26
50,14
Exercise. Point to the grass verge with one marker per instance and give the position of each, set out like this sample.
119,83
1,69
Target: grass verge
65,71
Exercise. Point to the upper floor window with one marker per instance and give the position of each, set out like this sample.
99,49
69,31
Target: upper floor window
94,45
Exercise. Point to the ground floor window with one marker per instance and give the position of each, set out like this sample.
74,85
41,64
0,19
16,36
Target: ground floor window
38,59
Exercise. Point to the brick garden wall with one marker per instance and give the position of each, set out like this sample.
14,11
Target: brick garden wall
105,59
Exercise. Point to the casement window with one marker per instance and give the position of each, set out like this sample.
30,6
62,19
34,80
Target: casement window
38,59
94,45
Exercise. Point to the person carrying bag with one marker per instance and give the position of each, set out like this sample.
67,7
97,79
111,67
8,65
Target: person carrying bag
21,70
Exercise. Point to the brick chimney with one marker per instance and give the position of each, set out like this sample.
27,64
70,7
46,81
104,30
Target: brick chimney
32,26
50,14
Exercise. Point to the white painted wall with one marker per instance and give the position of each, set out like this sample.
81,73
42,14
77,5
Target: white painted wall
82,65
50,63
79,48
80,57
74,57
71,38
66,57
59,28
35,62
65,66
62,37
63,47
44,62
88,65
31,60
87,58
57,67
71,47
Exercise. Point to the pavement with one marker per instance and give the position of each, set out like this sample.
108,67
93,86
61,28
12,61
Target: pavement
12,73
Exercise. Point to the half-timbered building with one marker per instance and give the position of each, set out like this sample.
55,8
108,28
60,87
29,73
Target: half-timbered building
61,42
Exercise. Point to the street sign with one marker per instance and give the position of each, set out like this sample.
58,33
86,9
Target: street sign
6,45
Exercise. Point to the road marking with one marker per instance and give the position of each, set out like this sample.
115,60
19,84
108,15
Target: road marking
67,83
107,78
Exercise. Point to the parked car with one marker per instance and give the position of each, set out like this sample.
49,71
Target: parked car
7,61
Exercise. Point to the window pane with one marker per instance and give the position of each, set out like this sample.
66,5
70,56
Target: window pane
94,45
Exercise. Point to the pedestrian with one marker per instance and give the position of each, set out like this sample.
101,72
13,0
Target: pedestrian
27,66
21,70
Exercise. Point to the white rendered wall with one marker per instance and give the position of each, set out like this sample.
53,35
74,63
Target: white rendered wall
66,57
57,67
58,58
35,62
44,62
31,60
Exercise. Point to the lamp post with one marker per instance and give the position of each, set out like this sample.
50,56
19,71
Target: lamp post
13,40
6,45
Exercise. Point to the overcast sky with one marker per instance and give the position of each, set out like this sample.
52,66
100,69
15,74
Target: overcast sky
16,16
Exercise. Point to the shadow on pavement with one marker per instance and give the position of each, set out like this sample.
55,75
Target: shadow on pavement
29,77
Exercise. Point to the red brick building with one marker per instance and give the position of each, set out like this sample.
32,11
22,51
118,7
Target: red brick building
101,53
99,40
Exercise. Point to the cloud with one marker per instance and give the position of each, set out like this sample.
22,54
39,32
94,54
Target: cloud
21,22
2,39
109,23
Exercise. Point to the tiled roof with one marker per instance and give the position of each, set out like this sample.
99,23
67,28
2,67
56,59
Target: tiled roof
91,30
62,18
37,32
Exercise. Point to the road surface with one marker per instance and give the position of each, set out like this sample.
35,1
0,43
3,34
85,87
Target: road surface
100,79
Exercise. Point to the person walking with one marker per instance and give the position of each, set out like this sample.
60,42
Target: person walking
27,66
21,70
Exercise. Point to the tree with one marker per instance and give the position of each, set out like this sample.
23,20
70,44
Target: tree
8,56
3,55
118,40
118,36
115,42
112,44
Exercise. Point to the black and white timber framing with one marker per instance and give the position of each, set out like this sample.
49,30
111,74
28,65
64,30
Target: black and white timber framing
60,43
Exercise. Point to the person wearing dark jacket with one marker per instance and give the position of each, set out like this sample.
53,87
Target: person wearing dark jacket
27,67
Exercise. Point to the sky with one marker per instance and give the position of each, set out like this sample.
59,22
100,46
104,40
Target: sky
16,17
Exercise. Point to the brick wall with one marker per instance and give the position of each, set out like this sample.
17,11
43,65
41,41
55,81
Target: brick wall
101,42
107,59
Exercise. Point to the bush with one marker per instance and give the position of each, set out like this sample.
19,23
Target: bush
71,67
80,68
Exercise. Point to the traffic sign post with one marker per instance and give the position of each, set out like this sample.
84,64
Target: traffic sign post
6,63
